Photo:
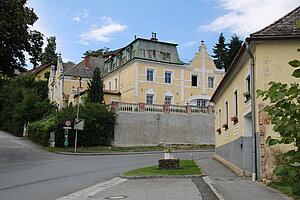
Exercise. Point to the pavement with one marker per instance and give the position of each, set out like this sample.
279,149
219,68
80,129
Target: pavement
217,183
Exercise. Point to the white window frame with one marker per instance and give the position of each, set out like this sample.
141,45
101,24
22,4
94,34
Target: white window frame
235,102
213,82
150,69
197,75
171,77
116,83
148,95
171,99
109,85
150,91
201,101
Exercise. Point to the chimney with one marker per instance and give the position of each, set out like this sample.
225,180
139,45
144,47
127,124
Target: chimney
153,37
87,61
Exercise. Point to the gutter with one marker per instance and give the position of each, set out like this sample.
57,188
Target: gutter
252,93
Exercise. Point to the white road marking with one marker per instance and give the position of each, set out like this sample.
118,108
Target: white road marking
91,191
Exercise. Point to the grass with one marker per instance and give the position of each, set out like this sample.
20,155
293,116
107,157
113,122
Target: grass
139,148
187,167
283,188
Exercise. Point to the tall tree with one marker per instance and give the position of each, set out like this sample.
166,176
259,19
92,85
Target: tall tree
233,47
96,53
15,35
36,40
95,88
50,55
220,53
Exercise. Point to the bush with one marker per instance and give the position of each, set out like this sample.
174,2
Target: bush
98,128
39,131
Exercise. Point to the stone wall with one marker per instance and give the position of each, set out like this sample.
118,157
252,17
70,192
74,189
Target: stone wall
146,128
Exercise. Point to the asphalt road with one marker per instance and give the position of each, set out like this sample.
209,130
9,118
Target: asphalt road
29,173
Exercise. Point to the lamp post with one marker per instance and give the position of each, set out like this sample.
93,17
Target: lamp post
75,145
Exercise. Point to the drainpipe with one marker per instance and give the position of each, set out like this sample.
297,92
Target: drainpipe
252,93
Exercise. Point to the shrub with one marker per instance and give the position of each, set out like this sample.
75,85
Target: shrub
98,128
39,131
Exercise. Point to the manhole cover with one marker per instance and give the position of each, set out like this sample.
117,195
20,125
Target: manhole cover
117,197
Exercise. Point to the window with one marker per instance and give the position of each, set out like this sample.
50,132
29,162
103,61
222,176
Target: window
168,100
220,121
201,102
150,74
248,83
109,85
226,112
149,98
211,82
235,103
194,80
168,77
103,86
116,83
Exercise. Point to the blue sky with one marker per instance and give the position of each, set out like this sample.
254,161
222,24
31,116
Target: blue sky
92,24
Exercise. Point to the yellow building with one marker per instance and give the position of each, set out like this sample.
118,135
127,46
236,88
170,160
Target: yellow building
240,116
66,79
41,72
150,71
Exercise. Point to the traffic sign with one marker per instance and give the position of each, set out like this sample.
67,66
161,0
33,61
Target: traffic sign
68,123
67,127
66,143
79,124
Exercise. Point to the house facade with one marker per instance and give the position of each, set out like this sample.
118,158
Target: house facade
242,125
150,71
41,72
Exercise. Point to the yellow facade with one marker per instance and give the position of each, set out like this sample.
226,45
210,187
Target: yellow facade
271,64
134,87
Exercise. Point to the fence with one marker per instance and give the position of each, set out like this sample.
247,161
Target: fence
142,107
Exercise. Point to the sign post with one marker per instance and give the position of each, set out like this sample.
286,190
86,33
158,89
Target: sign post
66,133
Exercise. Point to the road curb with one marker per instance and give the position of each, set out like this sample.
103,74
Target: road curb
238,171
128,152
161,176
209,182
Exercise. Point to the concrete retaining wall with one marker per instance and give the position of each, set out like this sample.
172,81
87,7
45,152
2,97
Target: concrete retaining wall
135,129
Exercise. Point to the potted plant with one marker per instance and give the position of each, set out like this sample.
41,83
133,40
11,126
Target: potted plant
169,153
234,119
225,126
247,95
218,130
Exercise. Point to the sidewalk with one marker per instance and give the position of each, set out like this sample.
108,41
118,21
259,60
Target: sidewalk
232,187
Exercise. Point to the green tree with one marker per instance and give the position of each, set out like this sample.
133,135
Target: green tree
21,100
36,40
50,55
233,47
95,88
220,51
96,53
284,112
16,37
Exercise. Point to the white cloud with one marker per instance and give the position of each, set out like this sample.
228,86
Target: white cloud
190,43
102,34
82,15
65,59
245,16
77,19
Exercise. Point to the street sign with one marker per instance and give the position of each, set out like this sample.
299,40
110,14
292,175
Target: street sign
66,137
68,123
67,127
79,124
66,143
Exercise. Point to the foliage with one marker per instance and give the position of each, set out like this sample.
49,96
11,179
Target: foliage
233,47
98,128
96,53
284,112
38,131
15,36
23,100
224,53
187,167
169,149
95,88
50,55
220,53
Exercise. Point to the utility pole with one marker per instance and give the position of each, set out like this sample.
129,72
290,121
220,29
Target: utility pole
75,145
